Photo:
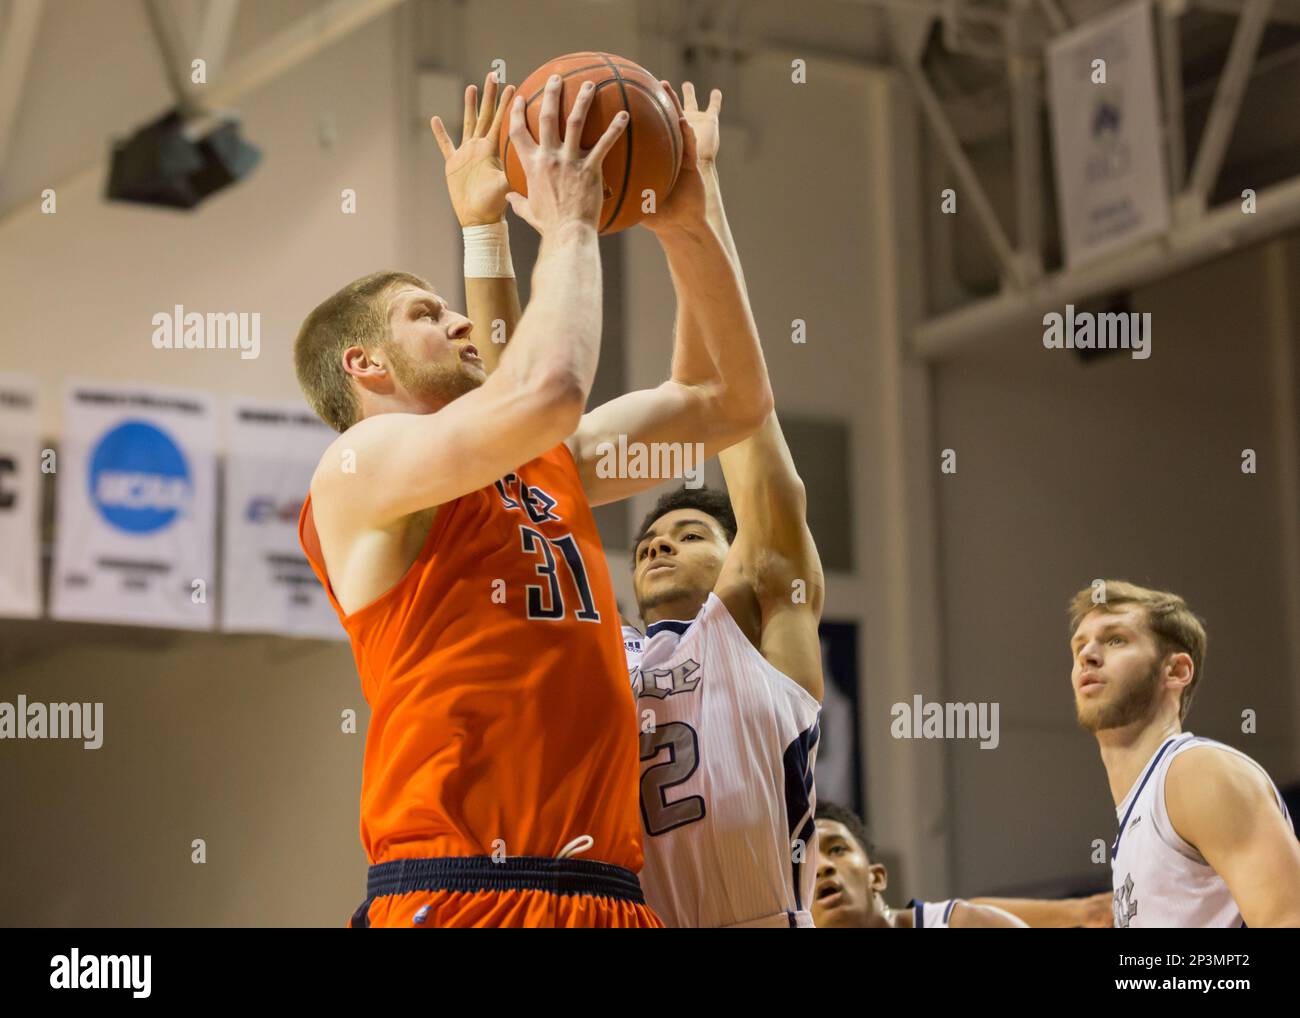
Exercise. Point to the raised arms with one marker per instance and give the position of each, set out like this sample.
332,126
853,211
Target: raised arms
476,183
773,566
406,462
718,390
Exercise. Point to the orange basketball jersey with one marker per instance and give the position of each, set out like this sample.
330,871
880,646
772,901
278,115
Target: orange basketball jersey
501,717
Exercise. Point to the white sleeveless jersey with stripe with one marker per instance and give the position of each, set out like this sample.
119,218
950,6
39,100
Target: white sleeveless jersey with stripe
728,746
932,915
1159,879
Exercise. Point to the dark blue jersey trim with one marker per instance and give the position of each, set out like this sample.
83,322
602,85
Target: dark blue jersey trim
666,626
1151,768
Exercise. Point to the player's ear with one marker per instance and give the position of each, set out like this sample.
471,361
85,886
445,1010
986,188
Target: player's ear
369,370
360,363
1179,669
877,877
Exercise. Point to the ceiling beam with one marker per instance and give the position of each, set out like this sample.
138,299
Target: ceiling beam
213,37
1216,233
972,190
1024,73
24,17
173,48
1171,76
1227,103
1285,11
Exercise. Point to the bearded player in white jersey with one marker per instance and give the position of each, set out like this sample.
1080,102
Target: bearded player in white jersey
728,675
1204,836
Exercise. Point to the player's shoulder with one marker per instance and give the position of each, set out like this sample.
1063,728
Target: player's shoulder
346,458
1207,760
1211,779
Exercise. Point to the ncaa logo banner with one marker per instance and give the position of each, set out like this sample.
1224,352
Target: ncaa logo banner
1107,134
20,497
136,507
268,585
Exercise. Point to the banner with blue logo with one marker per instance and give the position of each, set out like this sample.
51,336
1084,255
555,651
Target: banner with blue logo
1107,134
268,585
20,497
136,507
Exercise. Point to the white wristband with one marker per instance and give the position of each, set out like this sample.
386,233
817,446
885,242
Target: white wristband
487,252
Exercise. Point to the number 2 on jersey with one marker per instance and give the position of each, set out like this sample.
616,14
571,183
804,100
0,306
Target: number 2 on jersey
683,745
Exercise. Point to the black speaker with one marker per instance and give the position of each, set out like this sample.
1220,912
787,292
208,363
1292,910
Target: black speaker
161,165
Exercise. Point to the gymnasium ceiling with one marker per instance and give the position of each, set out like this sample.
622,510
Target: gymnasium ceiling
92,69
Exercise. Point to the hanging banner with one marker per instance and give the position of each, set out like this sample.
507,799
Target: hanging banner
136,507
20,497
267,583
839,755
1110,174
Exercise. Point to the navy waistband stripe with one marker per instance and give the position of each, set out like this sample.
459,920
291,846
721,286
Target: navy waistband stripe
515,873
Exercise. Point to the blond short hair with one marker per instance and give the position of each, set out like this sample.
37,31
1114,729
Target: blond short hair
1176,627
355,316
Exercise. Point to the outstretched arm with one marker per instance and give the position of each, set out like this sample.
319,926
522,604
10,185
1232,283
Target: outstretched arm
718,391
1093,911
967,915
476,182
774,560
394,464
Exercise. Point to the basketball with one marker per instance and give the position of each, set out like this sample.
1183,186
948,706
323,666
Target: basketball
645,158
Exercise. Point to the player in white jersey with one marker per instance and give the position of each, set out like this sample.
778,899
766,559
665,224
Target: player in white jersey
728,678
727,748
1204,837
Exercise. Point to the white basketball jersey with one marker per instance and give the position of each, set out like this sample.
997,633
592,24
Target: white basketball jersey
1159,879
933,915
728,745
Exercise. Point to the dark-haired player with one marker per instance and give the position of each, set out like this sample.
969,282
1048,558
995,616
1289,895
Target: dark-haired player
728,676
851,890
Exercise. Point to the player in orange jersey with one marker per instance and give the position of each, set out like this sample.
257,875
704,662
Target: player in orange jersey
450,525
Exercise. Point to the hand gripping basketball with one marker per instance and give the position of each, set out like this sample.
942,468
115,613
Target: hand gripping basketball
565,183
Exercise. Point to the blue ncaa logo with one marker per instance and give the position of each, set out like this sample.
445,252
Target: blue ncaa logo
139,480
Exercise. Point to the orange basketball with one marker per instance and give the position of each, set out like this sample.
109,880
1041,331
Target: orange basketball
648,154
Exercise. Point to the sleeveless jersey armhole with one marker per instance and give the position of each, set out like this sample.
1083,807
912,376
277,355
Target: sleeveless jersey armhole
808,699
1175,840
436,525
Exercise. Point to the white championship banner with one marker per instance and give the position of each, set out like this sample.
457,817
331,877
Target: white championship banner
136,507
1107,136
20,497
267,584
